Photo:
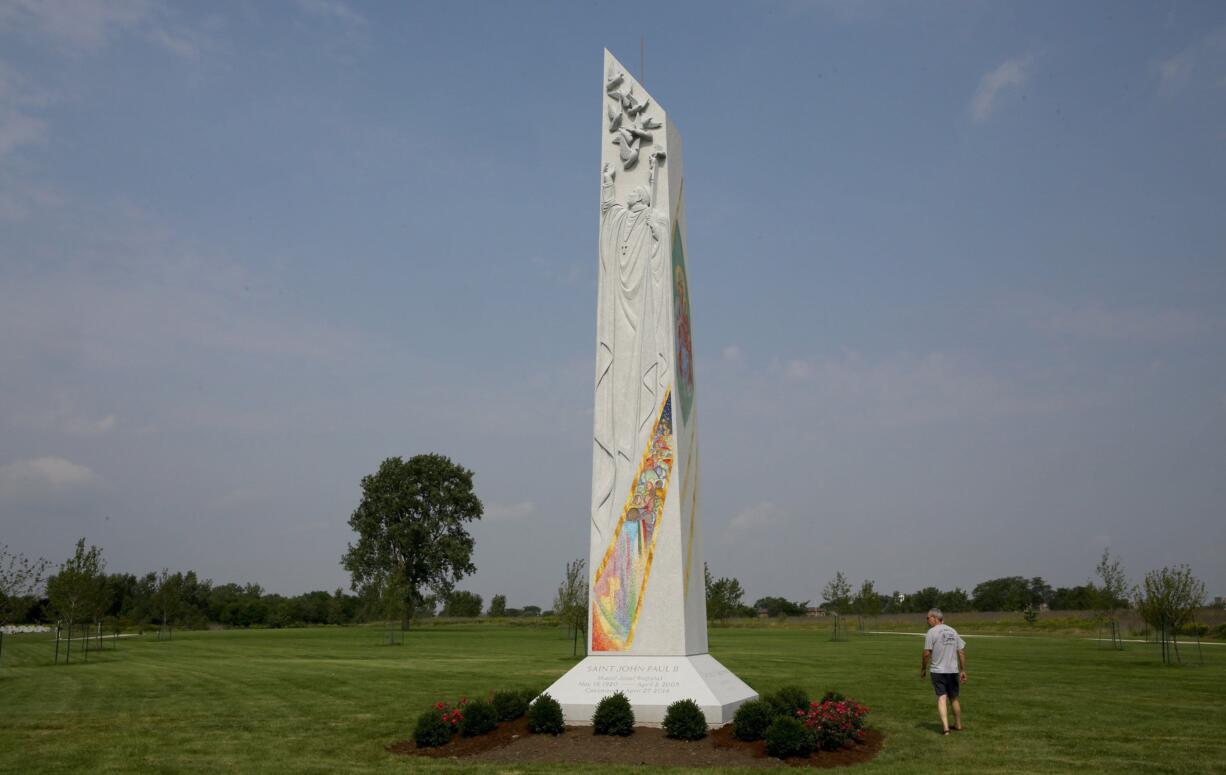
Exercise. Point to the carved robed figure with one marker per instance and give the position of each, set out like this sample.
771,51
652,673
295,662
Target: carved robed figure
633,340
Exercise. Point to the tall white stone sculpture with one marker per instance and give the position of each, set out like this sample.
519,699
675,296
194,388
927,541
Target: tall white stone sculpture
647,610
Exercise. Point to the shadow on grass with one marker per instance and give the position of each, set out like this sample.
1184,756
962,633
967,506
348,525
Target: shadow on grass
929,726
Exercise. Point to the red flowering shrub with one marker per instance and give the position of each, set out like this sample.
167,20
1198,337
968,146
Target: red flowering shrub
453,716
834,723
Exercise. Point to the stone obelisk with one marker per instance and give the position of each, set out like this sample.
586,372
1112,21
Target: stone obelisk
647,634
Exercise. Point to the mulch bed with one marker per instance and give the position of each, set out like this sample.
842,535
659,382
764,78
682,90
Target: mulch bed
512,743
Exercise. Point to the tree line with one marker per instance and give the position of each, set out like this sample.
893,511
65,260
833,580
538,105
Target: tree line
1165,599
81,593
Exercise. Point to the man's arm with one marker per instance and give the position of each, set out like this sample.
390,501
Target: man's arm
925,655
606,187
961,666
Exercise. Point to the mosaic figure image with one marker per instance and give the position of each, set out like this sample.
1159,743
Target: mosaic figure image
622,576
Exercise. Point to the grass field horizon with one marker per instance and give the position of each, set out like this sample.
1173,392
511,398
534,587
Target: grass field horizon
331,699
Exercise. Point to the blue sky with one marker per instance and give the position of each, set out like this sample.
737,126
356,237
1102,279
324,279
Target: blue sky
957,276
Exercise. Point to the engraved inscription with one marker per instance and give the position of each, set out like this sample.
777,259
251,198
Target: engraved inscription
633,680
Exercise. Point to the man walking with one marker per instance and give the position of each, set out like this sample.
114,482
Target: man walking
945,657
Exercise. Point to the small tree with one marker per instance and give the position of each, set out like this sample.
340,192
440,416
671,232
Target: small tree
1167,601
74,588
498,605
20,578
837,594
411,526
867,602
724,596
1114,592
167,600
570,603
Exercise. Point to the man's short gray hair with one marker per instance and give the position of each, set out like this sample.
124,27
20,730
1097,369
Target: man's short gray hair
937,613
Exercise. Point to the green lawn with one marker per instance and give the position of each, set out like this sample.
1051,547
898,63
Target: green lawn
329,700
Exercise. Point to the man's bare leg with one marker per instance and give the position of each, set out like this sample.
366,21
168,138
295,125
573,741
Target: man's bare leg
944,713
957,714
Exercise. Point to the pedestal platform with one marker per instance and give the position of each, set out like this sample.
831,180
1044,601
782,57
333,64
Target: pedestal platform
651,684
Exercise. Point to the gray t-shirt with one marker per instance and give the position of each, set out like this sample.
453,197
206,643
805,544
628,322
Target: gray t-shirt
944,643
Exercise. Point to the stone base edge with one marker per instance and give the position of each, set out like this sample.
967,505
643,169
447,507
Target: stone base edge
651,684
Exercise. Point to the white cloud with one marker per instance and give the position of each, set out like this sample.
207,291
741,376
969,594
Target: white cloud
1013,72
78,426
86,26
731,353
18,199
332,9
843,11
902,390
799,369
18,129
44,477
752,519
178,43
75,24
18,126
1095,321
133,294
1173,70
510,512
1194,65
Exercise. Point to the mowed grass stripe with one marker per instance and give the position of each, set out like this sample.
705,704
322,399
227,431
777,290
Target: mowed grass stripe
331,699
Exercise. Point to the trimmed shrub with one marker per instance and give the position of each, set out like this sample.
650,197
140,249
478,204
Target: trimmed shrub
1219,632
480,718
613,716
752,719
431,730
529,695
684,721
833,696
545,716
789,699
510,705
786,736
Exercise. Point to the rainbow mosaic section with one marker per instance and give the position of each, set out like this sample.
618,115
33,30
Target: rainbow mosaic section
621,579
681,311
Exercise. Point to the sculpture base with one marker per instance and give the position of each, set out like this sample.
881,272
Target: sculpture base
651,684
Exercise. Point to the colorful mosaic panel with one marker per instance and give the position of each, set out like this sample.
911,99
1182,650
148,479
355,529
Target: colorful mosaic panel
621,579
681,313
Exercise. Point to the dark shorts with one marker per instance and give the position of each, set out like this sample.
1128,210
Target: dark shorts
945,683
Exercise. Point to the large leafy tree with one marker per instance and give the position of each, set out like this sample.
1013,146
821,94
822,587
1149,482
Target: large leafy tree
411,527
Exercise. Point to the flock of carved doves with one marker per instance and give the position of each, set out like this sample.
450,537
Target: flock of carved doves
629,126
